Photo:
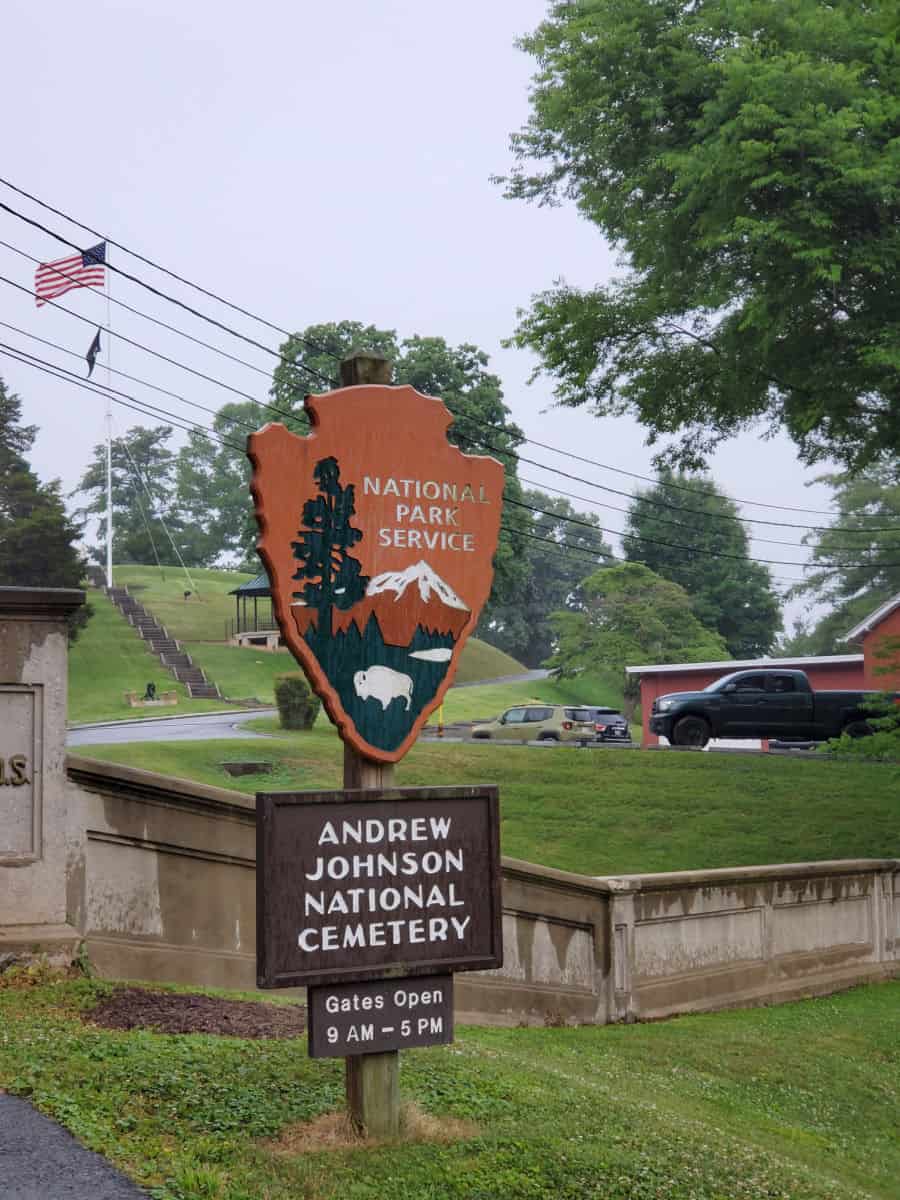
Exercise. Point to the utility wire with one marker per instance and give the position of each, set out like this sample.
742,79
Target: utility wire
481,442
675,545
155,320
161,294
476,421
138,345
322,350
243,424
165,271
61,372
661,504
175,416
160,518
117,397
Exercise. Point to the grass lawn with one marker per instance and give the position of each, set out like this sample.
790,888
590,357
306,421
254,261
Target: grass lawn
249,673
601,811
489,700
796,1102
201,618
109,659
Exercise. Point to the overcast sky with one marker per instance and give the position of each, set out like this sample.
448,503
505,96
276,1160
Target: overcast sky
313,162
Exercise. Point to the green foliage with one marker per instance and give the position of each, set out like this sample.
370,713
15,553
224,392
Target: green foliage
213,480
856,562
883,744
521,624
728,593
146,522
297,706
605,811
37,537
789,1101
631,616
744,158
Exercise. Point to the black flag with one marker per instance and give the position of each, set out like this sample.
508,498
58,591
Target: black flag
93,351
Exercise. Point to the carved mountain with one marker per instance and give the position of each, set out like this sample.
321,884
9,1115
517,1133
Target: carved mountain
404,600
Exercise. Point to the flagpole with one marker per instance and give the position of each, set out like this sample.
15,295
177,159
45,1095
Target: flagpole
109,512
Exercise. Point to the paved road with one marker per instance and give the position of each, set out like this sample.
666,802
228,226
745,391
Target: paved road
200,728
524,677
39,1160
209,726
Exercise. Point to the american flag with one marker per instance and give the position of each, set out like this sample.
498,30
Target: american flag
85,269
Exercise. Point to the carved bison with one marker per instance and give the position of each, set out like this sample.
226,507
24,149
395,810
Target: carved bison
384,684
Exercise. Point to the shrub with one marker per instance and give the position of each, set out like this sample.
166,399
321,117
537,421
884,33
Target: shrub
297,706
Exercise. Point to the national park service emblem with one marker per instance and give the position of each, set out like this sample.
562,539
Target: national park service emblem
378,536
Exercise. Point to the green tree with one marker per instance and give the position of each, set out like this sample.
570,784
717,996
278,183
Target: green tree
883,712
212,487
557,554
214,479
37,538
332,574
743,156
631,616
143,501
677,529
855,560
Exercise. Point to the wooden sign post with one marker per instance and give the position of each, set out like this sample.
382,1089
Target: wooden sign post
371,1081
378,537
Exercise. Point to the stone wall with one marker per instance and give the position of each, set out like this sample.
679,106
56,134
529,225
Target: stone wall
169,894
41,836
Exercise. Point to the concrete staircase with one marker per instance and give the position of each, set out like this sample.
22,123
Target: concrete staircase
167,649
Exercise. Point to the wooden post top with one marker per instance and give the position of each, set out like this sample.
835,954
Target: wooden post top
364,366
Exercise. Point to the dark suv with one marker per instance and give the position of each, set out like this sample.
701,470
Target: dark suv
609,724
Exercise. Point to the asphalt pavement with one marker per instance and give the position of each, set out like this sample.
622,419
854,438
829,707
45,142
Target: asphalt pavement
39,1160
200,728
213,726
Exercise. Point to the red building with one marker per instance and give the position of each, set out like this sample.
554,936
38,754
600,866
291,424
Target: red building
826,673
874,633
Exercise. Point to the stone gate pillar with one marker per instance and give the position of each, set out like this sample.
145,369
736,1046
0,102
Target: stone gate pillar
42,835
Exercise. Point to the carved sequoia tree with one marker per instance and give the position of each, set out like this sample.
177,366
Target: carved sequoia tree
332,575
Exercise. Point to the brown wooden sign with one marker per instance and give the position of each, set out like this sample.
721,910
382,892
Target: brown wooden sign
373,884
381,1015
378,537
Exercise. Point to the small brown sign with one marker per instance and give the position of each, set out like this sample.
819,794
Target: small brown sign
372,884
378,536
382,1015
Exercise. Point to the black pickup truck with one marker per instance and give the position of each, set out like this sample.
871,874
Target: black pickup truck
759,704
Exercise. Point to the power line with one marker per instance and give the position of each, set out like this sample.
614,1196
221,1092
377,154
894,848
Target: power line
300,417
123,398
322,350
496,449
483,424
162,295
661,504
165,271
773,562
154,320
138,345
662,520
106,388
114,393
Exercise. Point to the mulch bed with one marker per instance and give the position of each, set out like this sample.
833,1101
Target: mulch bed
171,1012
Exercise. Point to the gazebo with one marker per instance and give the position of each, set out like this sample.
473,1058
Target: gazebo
254,626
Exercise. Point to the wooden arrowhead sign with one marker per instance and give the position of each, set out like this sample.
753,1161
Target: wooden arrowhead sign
378,536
